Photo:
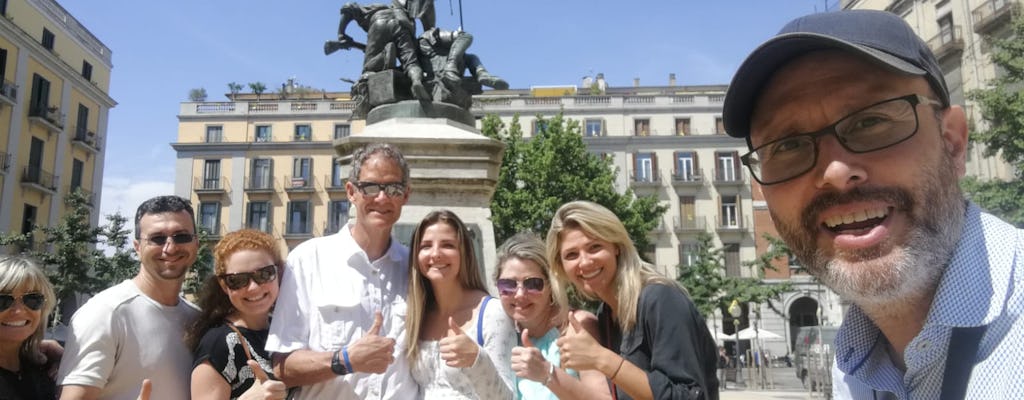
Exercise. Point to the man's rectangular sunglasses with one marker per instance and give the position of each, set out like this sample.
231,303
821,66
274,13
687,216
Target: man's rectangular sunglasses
508,287
178,238
372,189
34,301
241,279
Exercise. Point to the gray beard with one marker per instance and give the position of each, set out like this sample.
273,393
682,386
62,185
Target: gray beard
910,270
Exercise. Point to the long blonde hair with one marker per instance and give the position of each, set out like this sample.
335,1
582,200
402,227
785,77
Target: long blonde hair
632,273
421,294
26,273
527,246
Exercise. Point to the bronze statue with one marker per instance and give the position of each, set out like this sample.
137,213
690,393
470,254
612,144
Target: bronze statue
432,66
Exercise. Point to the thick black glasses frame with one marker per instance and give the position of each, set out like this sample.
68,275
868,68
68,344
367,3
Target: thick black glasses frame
372,189
241,279
178,238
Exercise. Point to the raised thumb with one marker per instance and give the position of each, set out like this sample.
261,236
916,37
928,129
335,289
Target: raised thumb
526,338
147,388
453,329
258,372
378,320
576,327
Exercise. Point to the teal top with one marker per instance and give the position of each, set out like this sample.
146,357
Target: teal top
533,390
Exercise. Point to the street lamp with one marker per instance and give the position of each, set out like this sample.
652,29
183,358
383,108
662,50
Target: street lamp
736,311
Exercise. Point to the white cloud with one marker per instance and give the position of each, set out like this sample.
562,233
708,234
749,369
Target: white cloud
124,195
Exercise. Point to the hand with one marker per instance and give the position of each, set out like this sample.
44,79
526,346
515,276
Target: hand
578,349
147,388
50,354
528,362
372,353
457,349
264,388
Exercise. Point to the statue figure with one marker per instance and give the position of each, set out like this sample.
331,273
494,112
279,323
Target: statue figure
444,60
422,10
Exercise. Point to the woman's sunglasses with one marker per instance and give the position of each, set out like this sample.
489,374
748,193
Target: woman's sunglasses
34,301
241,279
508,287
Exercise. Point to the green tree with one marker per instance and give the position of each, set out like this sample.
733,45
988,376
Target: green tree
234,88
197,94
552,168
203,266
258,88
1002,107
122,264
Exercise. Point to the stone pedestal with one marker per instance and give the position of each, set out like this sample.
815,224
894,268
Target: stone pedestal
451,166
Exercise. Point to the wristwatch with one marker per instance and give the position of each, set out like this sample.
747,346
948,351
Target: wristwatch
337,366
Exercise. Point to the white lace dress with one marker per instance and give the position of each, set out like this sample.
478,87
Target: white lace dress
491,375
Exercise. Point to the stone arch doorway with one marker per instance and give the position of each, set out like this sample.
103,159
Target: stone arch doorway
802,312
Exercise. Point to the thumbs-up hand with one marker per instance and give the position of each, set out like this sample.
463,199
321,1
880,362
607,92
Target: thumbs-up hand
457,349
528,362
578,349
147,388
264,388
372,353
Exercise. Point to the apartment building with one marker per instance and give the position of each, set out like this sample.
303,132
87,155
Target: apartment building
959,32
54,103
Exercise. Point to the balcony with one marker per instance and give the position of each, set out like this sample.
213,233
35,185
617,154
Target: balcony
86,140
646,179
297,230
214,232
5,163
992,14
690,225
730,180
687,181
259,184
8,93
661,227
299,184
215,186
49,118
949,42
335,184
733,228
35,177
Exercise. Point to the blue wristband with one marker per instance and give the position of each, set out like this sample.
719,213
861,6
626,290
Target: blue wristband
344,354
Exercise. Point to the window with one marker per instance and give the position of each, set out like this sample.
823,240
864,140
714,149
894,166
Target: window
688,254
337,180
81,131
214,134
86,70
262,173
539,126
338,215
682,126
947,31
719,126
34,173
48,39
688,212
3,7
727,166
593,127
732,259
645,167
730,212
259,216
302,167
77,168
342,130
263,134
28,220
303,133
40,100
686,166
209,217
298,217
642,127
3,66
211,174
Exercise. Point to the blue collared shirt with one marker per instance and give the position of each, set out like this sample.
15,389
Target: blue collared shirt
981,286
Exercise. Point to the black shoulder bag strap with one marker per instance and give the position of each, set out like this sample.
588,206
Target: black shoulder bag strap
960,360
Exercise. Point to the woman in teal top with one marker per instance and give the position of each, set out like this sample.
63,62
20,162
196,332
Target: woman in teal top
541,313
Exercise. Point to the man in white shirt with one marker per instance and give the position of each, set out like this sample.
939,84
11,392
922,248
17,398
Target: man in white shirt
342,301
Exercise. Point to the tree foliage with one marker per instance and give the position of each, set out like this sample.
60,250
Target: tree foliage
203,266
234,88
1002,107
709,286
122,264
197,94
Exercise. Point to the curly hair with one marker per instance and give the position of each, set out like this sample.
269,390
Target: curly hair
213,301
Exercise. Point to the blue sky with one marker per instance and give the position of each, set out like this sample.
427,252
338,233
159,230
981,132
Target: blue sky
162,49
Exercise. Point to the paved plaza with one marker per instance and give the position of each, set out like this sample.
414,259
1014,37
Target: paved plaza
780,384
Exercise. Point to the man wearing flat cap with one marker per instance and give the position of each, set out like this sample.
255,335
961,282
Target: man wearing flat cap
858,152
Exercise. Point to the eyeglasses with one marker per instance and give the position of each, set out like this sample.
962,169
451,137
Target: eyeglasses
241,279
875,127
34,301
178,238
372,189
509,287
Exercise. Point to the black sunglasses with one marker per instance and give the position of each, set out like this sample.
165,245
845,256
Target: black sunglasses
241,279
178,238
372,189
34,301
508,287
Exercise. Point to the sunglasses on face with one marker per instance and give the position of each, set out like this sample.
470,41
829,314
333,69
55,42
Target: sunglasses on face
179,238
241,279
372,189
509,287
34,301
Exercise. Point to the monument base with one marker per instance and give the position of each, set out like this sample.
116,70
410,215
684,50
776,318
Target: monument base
418,109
